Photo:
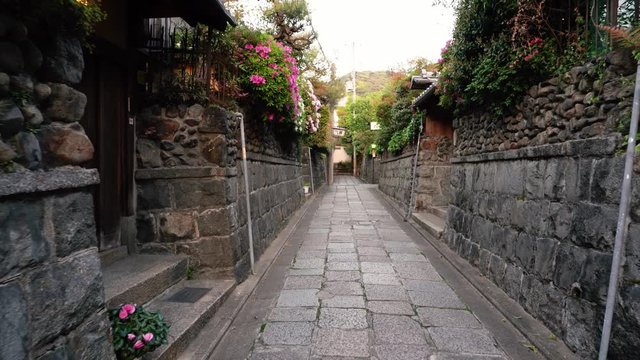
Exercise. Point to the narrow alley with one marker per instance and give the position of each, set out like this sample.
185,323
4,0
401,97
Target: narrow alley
357,287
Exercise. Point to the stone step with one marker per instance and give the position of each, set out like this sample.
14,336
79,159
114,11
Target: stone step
187,307
139,278
439,211
430,222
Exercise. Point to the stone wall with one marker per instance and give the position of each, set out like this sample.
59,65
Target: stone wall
370,170
191,187
395,177
588,101
51,286
319,161
433,178
276,192
539,220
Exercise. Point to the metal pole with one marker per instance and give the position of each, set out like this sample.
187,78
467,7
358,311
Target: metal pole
621,230
313,189
246,191
413,176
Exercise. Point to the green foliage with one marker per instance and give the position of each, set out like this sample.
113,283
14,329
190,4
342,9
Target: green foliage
131,331
500,48
357,121
321,139
399,124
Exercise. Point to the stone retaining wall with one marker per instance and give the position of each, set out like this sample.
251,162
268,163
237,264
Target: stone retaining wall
276,192
395,177
370,170
536,198
50,278
191,187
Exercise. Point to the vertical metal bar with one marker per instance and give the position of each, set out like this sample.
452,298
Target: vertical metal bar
413,176
621,230
313,189
246,191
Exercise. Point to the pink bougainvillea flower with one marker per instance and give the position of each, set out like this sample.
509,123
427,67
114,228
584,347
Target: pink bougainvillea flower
147,337
131,337
129,308
123,314
138,345
257,80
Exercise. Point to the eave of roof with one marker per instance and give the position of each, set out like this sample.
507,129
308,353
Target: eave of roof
207,12
421,101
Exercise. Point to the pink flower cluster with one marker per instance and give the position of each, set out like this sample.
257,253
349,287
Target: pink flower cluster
534,44
257,80
263,51
140,343
126,310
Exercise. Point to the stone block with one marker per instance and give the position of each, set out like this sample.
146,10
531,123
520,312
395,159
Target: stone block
66,144
11,121
534,180
216,222
146,228
154,194
203,192
560,221
73,223
66,104
525,251
29,150
569,264
393,329
545,256
14,331
607,180
594,278
497,268
63,61
24,238
512,281
214,150
176,226
65,294
509,178
594,226
581,324
91,339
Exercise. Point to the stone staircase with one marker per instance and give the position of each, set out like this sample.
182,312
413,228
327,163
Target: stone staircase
160,283
433,221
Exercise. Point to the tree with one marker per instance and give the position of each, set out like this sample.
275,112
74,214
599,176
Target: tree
357,119
291,25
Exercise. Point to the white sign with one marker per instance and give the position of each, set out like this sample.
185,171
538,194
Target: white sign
374,125
339,132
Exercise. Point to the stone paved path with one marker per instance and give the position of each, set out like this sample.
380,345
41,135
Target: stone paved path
359,288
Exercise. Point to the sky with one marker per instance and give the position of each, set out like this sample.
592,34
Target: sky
387,34
384,34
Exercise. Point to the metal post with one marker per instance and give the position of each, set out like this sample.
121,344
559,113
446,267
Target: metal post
413,176
313,189
246,191
621,230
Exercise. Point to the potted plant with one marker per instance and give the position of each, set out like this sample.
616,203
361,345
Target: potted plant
136,331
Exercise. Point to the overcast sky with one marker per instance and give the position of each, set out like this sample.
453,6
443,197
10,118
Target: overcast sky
387,34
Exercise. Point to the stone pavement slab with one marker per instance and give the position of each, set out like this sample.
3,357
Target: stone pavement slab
360,288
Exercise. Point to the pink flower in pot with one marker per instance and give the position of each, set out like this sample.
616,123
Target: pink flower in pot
129,308
138,345
147,337
123,314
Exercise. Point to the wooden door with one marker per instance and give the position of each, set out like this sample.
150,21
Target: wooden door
105,82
